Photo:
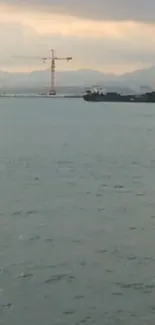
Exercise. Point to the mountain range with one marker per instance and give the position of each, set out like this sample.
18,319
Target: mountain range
39,80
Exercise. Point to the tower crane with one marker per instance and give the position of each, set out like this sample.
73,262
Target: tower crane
52,59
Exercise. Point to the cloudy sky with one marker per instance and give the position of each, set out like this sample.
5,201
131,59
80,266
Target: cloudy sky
113,36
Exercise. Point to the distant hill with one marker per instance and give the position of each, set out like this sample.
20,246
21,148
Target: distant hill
140,77
39,80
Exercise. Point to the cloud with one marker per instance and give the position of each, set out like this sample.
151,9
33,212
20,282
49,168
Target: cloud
135,10
103,44
107,54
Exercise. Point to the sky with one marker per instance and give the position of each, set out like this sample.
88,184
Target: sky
113,36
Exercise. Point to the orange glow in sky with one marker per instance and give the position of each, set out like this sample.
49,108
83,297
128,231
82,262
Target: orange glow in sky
33,33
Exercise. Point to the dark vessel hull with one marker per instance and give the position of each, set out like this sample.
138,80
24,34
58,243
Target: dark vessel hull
115,97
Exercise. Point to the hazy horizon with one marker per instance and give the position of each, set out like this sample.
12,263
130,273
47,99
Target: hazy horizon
38,69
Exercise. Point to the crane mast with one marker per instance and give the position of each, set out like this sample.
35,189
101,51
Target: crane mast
53,67
52,87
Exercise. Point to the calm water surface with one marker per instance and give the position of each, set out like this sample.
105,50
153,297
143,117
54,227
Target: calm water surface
77,213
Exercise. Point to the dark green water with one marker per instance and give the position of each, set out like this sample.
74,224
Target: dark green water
77,213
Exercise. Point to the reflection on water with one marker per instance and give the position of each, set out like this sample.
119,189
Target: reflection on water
77,213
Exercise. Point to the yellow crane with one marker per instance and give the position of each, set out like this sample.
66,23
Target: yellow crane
52,59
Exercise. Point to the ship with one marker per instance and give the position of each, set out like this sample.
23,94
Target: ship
97,95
